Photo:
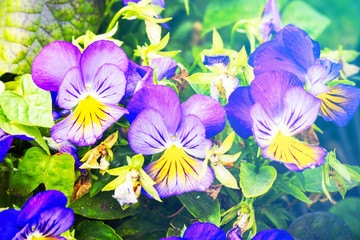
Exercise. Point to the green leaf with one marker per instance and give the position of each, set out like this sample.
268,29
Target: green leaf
319,225
55,172
32,108
100,183
349,211
338,167
202,206
231,12
305,17
255,183
276,215
103,206
144,226
19,129
313,180
92,230
27,26
202,78
286,186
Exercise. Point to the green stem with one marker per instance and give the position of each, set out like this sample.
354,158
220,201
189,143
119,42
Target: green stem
115,18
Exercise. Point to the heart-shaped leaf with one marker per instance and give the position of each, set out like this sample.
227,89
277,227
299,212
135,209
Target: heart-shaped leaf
88,230
32,108
255,183
55,172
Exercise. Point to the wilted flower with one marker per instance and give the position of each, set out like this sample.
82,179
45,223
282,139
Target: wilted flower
43,216
91,83
294,51
218,159
203,231
270,22
102,151
159,125
130,180
274,108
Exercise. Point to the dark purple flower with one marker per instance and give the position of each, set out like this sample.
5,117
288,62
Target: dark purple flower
269,234
294,51
201,231
91,83
165,67
274,108
160,123
43,216
270,22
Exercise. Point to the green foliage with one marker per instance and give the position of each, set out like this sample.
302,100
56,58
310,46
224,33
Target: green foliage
27,26
255,182
33,107
305,17
201,206
319,225
102,206
349,211
55,172
88,230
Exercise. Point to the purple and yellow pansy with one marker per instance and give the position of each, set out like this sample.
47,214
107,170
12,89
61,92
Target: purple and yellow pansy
204,231
44,216
91,83
294,51
160,123
274,108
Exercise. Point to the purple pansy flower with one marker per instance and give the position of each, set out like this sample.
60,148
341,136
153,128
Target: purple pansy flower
270,22
294,51
269,234
91,83
274,108
43,216
137,77
165,67
203,231
6,140
160,123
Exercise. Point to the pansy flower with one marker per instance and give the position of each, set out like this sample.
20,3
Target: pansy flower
160,123
165,67
270,22
91,83
43,216
294,51
269,234
203,231
274,108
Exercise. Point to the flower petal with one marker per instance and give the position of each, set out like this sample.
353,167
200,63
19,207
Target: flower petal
300,111
210,112
87,123
204,231
8,227
137,77
340,104
49,225
270,88
51,64
296,155
317,75
5,143
99,53
270,20
109,84
175,173
40,202
300,46
165,67
161,98
273,234
191,137
148,133
72,89
238,111
224,176
333,68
